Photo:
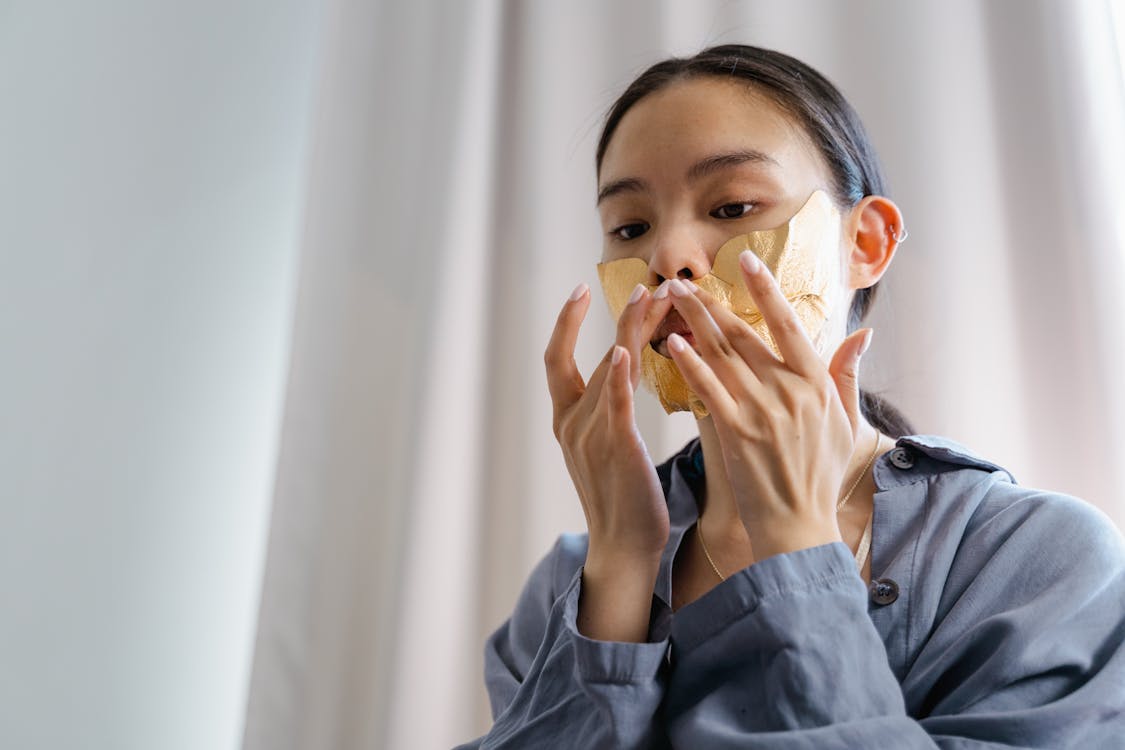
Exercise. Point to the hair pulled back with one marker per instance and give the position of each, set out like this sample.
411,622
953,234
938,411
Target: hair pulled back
830,122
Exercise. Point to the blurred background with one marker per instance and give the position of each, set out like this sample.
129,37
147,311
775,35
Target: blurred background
276,282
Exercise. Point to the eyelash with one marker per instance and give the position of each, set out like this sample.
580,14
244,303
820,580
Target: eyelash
616,233
749,206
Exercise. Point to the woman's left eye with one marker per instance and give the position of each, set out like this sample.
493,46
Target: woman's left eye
732,210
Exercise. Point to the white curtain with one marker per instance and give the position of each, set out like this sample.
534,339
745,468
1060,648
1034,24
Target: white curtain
151,182
450,212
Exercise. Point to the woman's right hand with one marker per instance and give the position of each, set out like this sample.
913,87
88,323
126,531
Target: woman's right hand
621,496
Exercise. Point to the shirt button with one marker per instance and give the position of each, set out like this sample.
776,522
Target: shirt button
901,458
883,591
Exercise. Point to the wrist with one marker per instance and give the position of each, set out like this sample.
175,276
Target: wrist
633,556
631,577
769,538
613,554
616,598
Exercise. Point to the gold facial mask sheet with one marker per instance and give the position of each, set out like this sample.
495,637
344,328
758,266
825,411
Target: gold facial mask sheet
804,257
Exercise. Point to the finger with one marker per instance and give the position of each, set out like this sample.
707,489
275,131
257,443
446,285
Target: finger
702,379
635,326
564,381
627,322
844,369
630,322
638,322
619,393
749,345
710,342
785,327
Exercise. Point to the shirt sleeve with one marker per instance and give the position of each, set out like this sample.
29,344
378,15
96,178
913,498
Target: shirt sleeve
1028,653
1028,647
551,687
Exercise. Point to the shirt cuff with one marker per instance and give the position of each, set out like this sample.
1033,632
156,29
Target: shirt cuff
615,661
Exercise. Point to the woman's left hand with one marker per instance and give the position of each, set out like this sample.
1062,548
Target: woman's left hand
787,426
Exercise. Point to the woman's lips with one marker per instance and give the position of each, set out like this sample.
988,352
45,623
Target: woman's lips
672,323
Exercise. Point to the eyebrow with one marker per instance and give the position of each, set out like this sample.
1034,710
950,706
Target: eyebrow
702,168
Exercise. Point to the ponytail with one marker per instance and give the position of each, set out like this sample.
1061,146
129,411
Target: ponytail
883,415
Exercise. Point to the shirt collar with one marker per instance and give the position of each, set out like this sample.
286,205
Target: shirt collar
922,456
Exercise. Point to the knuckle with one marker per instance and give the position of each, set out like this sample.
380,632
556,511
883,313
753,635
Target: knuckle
623,320
741,335
720,346
555,356
789,324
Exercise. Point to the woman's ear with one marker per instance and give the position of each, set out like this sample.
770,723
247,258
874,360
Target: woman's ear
873,231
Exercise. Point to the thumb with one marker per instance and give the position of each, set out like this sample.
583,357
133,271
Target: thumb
844,369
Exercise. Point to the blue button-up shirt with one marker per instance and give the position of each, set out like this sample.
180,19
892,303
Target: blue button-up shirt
1007,629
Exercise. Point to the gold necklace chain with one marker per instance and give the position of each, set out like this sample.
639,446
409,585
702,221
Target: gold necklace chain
703,544
870,460
839,506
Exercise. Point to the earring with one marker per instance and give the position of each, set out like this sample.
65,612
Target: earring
899,238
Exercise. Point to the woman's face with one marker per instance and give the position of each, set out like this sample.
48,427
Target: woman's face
697,163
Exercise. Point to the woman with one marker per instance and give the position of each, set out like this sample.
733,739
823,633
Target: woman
807,573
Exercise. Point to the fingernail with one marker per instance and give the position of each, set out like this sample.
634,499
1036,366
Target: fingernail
661,291
578,292
635,297
679,289
750,261
690,285
676,342
618,353
866,341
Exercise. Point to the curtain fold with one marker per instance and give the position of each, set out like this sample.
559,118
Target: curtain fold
451,210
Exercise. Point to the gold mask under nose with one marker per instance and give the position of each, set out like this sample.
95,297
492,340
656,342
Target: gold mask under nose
804,257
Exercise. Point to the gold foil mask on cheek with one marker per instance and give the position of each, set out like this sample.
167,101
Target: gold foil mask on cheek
804,257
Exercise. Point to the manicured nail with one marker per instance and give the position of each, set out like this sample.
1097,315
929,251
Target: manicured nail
618,353
678,288
638,291
676,342
866,341
579,292
661,291
750,261
690,285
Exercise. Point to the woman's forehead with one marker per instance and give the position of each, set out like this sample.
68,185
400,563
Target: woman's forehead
674,128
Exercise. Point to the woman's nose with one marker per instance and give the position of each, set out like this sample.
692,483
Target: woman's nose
678,256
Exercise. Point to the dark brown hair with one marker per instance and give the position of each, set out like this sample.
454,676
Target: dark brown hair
830,122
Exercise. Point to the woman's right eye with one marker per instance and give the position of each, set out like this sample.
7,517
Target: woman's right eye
629,231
